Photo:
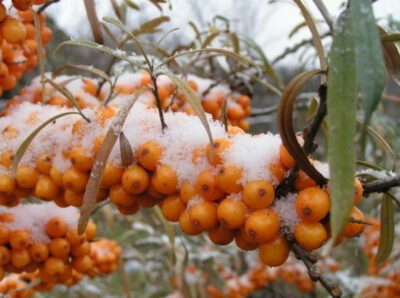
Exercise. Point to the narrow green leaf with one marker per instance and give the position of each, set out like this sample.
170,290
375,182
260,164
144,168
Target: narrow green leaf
268,69
121,55
195,102
235,42
241,59
369,58
312,110
91,69
387,230
151,26
25,144
93,185
209,39
341,101
64,91
169,230
132,4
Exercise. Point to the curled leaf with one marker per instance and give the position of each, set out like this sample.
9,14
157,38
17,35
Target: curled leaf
126,150
387,230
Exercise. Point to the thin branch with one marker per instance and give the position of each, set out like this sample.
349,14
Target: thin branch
381,185
325,13
158,102
94,22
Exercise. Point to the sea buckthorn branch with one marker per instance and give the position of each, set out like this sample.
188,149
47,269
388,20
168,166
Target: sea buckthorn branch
381,185
309,261
158,101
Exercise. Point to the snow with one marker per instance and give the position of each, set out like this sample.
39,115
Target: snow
34,217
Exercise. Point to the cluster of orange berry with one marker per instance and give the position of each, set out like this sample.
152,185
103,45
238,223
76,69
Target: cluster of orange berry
86,94
230,195
17,42
385,280
45,247
259,276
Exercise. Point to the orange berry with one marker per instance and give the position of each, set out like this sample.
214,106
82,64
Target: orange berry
46,33
232,213
228,179
20,257
13,30
235,113
119,196
187,225
89,86
74,238
149,154
128,210
6,158
187,191
26,176
221,235
203,215
59,247
82,264
80,159
57,176
275,252
234,130
7,184
19,239
146,201
262,225
353,229
81,250
312,204
165,180
53,266
286,159
310,236
258,194
172,207
3,12
278,171
91,230
73,198
243,241
112,175
39,252
44,163
56,227
4,235
8,83
220,145
206,186
75,180
22,4
303,181
135,180
5,255
359,190
46,189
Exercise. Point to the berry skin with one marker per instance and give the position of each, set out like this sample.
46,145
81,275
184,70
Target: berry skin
39,252
26,176
135,180
13,30
353,229
228,177
56,227
310,236
19,239
275,252
243,241
221,235
165,180
312,204
75,180
149,154
262,225
232,213
285,157
258,194
172,207
186,224
206,186
203,215
358,194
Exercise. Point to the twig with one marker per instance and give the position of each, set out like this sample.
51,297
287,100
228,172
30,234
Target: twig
325,13
313,271
381,185
158,102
